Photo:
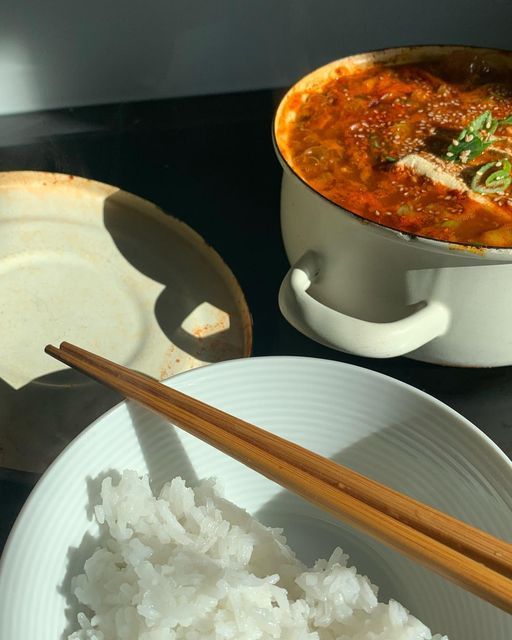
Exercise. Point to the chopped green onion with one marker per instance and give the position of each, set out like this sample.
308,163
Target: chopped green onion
495,182
484,119
475,138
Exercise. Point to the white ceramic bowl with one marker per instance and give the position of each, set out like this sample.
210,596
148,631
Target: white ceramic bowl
379,426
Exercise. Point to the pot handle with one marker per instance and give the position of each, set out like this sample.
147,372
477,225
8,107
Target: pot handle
339,331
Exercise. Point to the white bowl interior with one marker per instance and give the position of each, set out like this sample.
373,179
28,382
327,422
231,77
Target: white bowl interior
377,425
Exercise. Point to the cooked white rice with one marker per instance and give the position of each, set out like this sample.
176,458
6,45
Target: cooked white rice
190,565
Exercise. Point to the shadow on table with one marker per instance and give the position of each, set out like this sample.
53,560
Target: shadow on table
38,420
193,276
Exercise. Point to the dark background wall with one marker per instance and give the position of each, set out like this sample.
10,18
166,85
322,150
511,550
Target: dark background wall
59,53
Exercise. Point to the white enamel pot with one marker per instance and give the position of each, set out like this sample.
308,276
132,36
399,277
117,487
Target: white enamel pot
362,288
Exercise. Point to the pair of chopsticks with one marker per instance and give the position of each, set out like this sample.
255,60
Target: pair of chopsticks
473,559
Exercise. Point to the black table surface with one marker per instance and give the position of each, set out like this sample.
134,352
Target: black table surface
209,161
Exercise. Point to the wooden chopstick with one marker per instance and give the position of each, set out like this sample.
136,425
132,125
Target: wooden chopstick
473,559
462,537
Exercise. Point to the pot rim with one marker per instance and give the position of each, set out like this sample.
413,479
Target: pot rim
387,53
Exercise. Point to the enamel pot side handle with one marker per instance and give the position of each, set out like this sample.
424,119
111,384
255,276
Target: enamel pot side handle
345,333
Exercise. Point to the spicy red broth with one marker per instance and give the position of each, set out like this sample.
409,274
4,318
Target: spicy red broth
369,140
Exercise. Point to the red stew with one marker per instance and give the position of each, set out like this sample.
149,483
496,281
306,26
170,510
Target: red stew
347,140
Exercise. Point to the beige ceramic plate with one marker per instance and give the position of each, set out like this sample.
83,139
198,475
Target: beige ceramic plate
88,263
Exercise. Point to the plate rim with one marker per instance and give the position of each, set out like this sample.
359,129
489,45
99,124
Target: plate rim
26,178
